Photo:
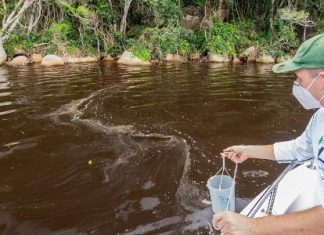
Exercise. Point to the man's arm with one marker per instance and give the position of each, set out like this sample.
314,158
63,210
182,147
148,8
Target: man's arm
240,153
304,222
300,149
298,223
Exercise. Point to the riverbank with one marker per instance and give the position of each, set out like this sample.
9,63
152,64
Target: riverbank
250,55
145,32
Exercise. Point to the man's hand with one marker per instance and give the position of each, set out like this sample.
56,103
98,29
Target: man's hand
237,154
230,223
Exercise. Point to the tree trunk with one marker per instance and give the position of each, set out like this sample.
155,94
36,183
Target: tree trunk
123,22
272,14
112,9
10,23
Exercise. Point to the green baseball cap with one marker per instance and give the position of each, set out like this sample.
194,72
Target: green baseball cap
309,55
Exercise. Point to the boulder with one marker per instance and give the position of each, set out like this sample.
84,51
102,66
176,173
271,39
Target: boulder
265,59
194,56
128,58
155,62
108,58
236,60
174,58
249,55
75,60
52,60
19,61
18,52
212,57
36,58
3,54
282,58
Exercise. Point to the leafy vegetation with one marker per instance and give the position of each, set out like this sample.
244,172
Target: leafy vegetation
226,38
151,29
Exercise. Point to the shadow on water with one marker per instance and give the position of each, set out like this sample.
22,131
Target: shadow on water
107,149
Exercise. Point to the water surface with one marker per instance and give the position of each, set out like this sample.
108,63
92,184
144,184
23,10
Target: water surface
108,149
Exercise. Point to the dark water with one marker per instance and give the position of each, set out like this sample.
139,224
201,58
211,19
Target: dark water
102,149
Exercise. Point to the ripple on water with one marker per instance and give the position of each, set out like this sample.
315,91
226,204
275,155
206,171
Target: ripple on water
255,174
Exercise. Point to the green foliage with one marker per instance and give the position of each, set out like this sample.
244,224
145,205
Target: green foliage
3,11
197,41
103,11
293,16
82,13
14,42
174,40
59,29
165,12
118,45
20,42
57,35
139,49
225,39
280,41
320,26
154,26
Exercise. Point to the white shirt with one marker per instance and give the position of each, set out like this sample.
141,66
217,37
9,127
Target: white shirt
308,146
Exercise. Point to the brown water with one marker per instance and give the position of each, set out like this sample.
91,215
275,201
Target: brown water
106,149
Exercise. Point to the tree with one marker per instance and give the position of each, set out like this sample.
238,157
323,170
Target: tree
12,17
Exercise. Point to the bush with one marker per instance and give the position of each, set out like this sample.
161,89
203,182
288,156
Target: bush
18,41
159,13
59,30
226,39
279,42
174,40
139,49
118,45
320,26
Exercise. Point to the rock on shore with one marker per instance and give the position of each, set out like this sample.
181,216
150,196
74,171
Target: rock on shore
3,54
174,58
19,61
212,57
265,59
76,60
36,58
52,60
127,58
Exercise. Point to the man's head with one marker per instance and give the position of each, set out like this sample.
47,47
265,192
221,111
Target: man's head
308,66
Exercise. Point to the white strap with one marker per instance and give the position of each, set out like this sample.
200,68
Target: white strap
233,186
312,82
321,99
223,169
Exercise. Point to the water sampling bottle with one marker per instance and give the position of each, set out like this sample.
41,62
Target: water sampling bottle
222,189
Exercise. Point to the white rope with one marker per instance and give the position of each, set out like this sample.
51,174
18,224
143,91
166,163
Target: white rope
233,186
223,169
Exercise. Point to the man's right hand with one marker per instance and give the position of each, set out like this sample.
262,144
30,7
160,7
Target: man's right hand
237,153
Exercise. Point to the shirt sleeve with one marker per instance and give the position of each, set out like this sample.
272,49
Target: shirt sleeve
300,149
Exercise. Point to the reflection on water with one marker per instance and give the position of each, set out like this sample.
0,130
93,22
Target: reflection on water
151,134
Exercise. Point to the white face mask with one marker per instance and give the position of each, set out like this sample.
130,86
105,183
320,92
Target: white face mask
304,97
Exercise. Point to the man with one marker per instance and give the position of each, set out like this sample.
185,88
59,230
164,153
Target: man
308,88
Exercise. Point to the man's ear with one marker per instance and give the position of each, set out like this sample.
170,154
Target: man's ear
321,75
